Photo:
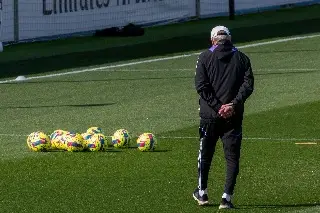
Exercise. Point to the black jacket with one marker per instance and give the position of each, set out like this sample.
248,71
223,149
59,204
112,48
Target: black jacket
223,75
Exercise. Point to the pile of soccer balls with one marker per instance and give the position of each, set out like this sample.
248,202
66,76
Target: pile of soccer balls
92,140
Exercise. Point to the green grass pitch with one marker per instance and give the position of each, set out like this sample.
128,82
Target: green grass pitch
276,175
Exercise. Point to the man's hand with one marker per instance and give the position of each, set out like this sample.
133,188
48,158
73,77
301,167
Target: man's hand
226,110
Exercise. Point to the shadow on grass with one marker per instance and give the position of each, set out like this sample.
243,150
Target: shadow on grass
278,206
54,106
161,150
210,205
157,48
112,150
83,151
156,150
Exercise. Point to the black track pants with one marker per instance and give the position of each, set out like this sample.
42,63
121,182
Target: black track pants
231,136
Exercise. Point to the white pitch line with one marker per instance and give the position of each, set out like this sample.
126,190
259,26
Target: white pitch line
284,139
146,70
193,137
13,135
288,69
249,138
158,59
191,69
306,143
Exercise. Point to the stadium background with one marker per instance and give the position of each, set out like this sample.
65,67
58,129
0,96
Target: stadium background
27,20
146,84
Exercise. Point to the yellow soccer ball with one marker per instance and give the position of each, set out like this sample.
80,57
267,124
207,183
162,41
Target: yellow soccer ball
94,130
74,142
95,143
58,138
38,142
86,137
146,142
121,138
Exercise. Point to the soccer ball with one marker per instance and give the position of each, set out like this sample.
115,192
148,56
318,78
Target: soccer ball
94,130
58,138
146,142
86,137
121,138
74,142
95,142
38,141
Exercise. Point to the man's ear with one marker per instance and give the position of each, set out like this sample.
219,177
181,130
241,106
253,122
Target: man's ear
213,42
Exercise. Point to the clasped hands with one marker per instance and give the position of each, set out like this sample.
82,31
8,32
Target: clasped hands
226,110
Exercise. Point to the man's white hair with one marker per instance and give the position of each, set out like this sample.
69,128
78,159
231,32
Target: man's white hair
220,33
221,38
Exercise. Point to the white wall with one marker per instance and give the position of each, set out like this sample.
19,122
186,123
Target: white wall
42,18
211,8
39,18
214,7
7,24
252,4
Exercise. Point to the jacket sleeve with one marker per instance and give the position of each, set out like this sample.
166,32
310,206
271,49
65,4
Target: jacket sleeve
246,88
204,87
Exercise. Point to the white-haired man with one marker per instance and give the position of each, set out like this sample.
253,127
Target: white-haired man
224,80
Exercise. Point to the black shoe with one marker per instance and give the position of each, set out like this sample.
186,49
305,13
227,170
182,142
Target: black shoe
202,200
226,204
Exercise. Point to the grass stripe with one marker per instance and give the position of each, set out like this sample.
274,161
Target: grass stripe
160,59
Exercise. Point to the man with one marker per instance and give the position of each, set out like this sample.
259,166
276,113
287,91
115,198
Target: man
224,80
